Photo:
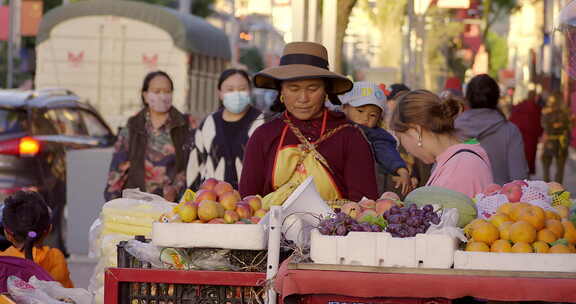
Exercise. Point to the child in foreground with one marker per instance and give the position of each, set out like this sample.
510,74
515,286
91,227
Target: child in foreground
365,105
26,219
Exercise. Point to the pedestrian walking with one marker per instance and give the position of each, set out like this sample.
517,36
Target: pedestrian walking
556,122
499,137
220,141
526,116
151,152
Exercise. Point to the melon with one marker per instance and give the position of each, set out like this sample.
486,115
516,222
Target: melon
447,199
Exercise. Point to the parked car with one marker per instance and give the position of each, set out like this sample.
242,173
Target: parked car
36,130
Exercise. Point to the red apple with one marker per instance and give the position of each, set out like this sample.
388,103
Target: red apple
231,217
229,200
367,204
209,184
206,195
512,191
222,188
217,221
352,209
390,195
239,222
244,211
492,189
260,213
198,222
384,205
254,201
254,219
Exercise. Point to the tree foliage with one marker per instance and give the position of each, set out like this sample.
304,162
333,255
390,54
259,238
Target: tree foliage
498,59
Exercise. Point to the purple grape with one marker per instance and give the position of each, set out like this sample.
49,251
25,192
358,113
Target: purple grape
341,230
404,217
411,231
394,210
421,229
411,221
366,227
403,234
376,228
324,230
428,208
387,214
395,219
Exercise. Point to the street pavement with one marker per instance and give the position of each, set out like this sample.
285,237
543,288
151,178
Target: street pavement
81,267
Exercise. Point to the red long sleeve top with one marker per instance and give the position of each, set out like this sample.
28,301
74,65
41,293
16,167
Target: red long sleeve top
347,152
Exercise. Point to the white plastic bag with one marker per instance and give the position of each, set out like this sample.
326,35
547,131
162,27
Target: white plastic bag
447,225
24,293
139,195
56,291
144,252
94,239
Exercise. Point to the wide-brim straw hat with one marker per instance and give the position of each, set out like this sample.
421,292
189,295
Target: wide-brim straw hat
303,60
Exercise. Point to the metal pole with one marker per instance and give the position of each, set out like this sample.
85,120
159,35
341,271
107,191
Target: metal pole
13,37
185,6
234,34
408,73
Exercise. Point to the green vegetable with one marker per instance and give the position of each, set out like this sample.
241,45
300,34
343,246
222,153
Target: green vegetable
374,220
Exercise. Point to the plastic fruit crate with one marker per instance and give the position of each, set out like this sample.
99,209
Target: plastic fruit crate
381,249
135,282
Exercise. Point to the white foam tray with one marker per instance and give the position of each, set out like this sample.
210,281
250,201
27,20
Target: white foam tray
381,249
515,261
226,236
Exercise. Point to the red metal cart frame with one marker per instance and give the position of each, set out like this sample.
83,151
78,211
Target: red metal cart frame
115,276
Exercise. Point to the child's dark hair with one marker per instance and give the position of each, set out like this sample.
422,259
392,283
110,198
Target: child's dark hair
26,216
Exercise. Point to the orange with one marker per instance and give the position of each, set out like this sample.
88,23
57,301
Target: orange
473,224
559,248
555,226
486,233
522,247
540,247
522,232
546,235
569,231
477,246
498,219
515,210
505,230
534,215
551,215
505,208
563,211
501,246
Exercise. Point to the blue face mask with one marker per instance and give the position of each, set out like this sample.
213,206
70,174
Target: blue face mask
236,102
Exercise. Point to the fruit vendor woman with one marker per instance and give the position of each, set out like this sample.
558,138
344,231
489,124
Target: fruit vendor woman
305,138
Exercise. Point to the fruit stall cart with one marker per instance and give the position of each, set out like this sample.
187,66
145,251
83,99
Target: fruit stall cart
317,283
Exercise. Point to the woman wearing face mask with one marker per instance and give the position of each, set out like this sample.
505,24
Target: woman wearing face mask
219,142
152,151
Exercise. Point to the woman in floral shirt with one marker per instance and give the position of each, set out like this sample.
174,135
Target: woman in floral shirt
152,151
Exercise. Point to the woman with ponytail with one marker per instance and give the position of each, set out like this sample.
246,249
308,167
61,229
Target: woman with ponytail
424,125
26,220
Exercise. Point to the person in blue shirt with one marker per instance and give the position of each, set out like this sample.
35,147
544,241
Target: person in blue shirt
365,105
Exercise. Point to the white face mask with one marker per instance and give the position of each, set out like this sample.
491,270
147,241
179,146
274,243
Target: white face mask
236,102
159,102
